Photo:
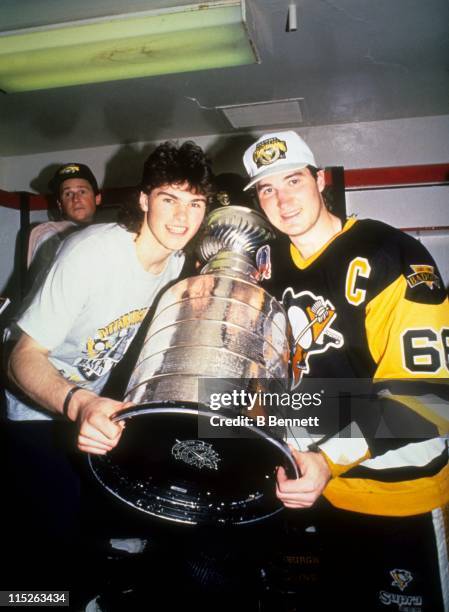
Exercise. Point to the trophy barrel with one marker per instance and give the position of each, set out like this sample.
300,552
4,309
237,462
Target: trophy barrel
223,328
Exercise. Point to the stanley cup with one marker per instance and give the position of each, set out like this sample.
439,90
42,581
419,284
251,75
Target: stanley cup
222,327
219,324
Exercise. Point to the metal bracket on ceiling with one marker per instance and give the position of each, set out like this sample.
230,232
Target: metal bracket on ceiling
292,18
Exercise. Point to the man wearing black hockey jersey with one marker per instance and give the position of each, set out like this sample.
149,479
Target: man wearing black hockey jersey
365,303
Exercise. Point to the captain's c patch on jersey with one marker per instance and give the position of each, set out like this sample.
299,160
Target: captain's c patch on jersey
311,318
359,267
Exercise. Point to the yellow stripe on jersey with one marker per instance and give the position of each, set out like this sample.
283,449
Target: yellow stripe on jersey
403,498
302,263
339,468
407,339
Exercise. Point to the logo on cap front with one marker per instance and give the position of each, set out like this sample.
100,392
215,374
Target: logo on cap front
269,151
69,169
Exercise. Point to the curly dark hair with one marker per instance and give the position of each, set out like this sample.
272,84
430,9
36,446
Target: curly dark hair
170,164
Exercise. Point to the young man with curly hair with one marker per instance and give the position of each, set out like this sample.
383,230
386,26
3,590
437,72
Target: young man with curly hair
81,322
97,293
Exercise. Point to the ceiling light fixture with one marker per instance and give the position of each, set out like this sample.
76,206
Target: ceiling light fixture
178,39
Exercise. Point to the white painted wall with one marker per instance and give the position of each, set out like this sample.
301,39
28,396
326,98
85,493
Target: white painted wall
360,145
399,142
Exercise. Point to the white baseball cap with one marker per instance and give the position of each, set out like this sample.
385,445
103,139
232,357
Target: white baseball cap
274,153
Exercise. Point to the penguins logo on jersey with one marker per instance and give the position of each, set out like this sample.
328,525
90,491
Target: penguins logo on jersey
423,274
401,578
311,319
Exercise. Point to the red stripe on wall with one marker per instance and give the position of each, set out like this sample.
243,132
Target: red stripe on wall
400,176
362,178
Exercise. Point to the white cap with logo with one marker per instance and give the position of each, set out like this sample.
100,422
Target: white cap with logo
274,153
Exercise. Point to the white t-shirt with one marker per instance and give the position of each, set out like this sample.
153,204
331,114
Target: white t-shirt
90,306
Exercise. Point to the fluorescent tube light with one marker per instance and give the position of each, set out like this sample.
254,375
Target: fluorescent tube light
180,39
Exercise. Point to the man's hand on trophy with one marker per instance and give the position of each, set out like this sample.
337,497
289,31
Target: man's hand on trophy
98,433
302,492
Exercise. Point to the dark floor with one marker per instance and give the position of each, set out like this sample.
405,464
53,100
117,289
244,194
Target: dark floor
50,543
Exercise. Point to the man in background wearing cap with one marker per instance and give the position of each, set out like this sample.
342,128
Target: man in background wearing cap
365,302
77,197
79,325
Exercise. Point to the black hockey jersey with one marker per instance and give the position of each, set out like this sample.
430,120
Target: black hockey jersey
372,305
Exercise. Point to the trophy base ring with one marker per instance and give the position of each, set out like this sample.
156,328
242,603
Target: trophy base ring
163,468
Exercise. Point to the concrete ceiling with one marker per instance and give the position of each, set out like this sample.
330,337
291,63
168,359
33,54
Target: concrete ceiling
350,61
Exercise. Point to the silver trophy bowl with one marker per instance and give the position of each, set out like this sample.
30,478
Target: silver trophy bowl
211,333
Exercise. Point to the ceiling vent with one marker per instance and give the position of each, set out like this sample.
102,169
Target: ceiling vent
264,114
